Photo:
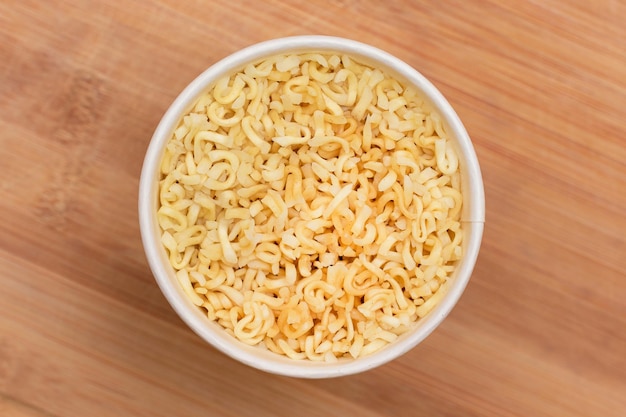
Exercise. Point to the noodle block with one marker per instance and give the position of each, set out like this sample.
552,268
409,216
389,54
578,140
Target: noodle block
310,205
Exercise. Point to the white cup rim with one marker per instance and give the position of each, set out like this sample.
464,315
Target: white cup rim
474,214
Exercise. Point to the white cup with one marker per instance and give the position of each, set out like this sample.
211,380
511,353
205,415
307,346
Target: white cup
473,213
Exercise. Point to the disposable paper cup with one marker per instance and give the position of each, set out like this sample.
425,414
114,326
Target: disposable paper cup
473,213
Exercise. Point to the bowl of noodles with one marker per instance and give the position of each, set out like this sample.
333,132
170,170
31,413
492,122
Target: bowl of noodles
311,206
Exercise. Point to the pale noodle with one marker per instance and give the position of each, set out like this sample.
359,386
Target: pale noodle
311,204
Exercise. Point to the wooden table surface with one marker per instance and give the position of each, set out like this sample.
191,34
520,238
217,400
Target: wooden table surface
541,328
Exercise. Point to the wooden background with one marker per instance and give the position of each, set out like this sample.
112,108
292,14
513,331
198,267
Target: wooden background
541,329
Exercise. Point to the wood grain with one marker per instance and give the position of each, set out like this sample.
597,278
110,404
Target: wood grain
541,329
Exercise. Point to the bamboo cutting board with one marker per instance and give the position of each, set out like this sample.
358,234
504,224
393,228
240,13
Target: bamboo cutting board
540,330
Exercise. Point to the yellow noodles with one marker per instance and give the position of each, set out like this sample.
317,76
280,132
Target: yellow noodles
311,204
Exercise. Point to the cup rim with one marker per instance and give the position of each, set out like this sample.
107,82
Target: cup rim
254,356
